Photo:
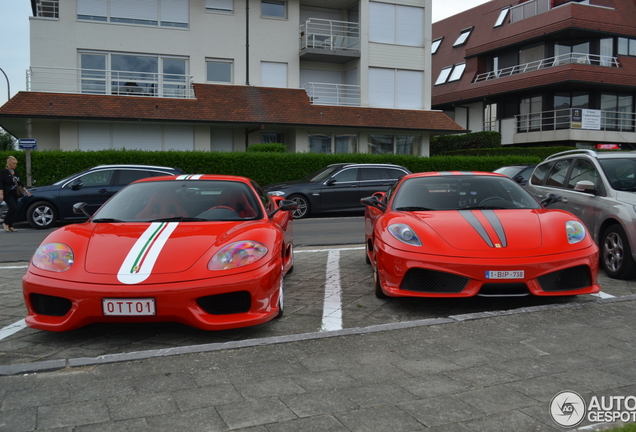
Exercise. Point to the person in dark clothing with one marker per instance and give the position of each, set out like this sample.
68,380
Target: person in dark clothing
10,185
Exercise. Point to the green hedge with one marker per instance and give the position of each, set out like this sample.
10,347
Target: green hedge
443,144
264,167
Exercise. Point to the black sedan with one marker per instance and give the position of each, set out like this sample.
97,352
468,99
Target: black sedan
519,173
337,187
49,204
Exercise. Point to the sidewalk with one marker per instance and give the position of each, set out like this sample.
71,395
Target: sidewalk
492,371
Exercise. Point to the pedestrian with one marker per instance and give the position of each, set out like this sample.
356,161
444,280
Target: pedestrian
11,188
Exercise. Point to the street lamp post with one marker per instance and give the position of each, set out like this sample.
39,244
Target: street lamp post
8,85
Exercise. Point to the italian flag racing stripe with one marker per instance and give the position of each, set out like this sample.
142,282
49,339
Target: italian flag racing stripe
141,259
189,177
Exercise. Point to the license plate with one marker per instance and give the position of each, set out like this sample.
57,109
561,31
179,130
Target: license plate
505,274
128,306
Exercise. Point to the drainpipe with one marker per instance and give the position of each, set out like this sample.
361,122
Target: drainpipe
247,42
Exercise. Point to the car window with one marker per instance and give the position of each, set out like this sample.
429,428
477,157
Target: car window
346,175
583,169
620,172
95,178
538,175
372,174
557,175
128,176
394,173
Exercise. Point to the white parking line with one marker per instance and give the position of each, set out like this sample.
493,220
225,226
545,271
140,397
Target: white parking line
332,306
603,295
12,328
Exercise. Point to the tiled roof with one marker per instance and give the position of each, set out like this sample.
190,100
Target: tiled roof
607,16
224,104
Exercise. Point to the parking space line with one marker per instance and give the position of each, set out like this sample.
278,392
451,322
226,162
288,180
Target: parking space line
603,295
12,328
332,306
328,250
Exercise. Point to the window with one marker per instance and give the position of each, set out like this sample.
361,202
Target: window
463,37
163,13
226,6
395,88
558,173
396,24
626,46
450,73
435,45
502,16
490,117
532,53
347,175
273,74
133,74
583,170
617,111
457,72
320,143
530,114
219,70
272,137
328,143
398,144
273,8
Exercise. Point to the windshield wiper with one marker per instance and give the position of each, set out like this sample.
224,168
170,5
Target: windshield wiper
106,220
413,208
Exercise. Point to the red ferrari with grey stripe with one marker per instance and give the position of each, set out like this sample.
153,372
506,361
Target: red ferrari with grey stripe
462,234
207,251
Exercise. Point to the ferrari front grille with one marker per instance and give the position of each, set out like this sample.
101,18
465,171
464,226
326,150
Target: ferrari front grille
568,279
50,305
227,303
433,281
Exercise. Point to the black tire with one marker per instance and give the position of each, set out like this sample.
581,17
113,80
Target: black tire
42,215
616,254
303,206
376,285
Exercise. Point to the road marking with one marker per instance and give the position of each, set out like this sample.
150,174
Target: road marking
332,306
12,328
328,250
14,267
603,295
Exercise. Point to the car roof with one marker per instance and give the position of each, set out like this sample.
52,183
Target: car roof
594,154
134,166
387,165
195,177
454,174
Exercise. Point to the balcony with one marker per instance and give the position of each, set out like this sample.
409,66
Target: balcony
109,82
329,41
47,8
576,58
333,94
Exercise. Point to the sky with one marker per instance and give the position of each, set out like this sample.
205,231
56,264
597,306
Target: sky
14,38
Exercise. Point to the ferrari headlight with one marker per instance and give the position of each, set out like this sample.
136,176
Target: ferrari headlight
56,257
575,231
237,254
405,234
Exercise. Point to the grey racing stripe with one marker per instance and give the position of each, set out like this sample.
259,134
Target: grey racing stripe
496,224
474,222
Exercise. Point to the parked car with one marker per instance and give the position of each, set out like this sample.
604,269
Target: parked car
519,173
207,251
465,234
337,187
599,188
50,204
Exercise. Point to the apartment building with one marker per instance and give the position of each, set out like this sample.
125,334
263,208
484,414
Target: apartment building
325,76
541,72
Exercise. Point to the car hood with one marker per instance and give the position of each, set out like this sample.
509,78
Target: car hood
40,189
133,252
483,230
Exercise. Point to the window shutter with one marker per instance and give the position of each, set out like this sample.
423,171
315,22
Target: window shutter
177,137
174,11
273,74
93,136
92,8
409,26
220,5
145,10
140,137
409,89
381,88
381,22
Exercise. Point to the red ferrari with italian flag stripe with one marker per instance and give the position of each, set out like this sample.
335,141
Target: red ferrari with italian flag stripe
207,251
462,234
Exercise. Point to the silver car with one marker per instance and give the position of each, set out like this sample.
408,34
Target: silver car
599,188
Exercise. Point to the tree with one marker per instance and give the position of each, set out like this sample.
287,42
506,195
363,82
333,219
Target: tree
7,141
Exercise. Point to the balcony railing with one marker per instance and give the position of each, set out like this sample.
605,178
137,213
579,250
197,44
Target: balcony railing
579,58
329,35
109,82
47,8
333,94
611,121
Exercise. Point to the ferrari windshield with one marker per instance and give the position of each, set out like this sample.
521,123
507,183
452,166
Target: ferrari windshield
181,200
457,192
